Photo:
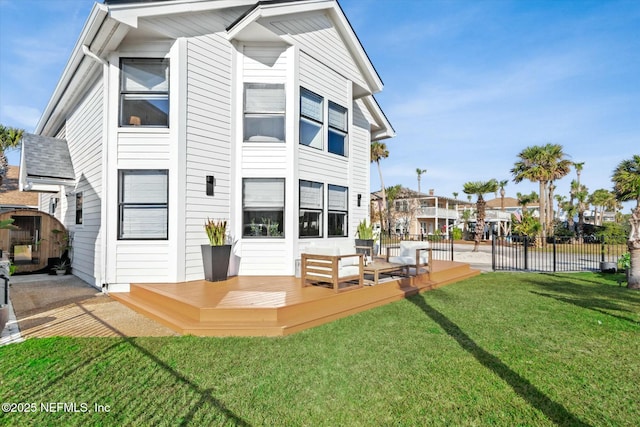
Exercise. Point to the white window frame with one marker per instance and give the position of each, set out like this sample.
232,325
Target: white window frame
124,205
253,111
338,207
263,208
311,203
338,128
310,121
129,117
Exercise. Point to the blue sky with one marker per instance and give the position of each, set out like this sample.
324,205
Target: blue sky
468,84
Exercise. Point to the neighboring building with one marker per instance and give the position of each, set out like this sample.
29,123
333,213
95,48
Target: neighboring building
173,112
10,195
421,214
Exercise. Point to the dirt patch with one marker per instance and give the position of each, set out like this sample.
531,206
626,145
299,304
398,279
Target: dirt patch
48,306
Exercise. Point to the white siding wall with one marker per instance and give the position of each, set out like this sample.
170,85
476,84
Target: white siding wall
322,166
140,261
316,36
266,63
84,132
208,141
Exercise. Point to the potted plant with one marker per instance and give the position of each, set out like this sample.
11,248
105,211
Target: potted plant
215,255
61,267
365,238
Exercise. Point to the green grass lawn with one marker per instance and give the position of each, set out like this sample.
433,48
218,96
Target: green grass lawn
498,349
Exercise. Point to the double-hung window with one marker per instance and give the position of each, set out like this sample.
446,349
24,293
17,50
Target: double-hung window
311,118
338,210
144,92
264,112
263,207
143,205
311,206
337,129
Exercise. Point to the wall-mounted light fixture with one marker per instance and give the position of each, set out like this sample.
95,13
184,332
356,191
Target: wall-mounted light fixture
211,182
359,199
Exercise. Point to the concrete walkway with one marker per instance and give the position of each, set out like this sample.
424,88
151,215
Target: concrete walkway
46,306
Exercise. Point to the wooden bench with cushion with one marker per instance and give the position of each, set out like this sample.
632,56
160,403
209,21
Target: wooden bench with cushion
332,265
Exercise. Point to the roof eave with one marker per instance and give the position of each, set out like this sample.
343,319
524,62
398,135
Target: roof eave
91,27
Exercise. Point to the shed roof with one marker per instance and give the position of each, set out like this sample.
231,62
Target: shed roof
46,157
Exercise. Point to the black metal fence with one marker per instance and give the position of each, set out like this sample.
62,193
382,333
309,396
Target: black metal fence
519,253
511,253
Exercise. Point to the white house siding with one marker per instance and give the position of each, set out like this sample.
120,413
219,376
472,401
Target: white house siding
266,63
141,261
84,131
360,164
315,35
208,142
321,166
136,145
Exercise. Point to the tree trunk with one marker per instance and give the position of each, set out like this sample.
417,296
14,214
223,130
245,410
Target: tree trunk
480,207
542,209
634,249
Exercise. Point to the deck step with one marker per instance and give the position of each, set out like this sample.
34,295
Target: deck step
265,308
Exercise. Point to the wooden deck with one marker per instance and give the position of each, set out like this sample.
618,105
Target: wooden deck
271,305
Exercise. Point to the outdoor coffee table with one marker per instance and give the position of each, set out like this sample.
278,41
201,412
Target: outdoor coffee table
378,267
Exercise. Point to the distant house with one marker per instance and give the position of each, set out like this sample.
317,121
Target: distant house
419,213
10,195
258,112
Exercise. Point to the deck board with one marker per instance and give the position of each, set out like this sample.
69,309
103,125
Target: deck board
271,305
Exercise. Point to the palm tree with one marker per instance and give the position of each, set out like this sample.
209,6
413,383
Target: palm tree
502,184
378,152
581,194
626,186
542,164
9,138
479,188
525,199
455,195
531,166
420,172
601,200
558,167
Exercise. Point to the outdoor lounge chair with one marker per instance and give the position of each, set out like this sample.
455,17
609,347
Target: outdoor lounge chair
412,255
332,265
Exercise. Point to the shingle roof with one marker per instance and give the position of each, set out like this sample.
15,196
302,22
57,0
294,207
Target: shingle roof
47,157
10,194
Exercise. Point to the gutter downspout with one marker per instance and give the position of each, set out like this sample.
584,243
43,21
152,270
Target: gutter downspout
105,163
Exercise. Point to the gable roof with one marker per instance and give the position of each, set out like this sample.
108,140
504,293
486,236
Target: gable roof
109,23
10,194
46,163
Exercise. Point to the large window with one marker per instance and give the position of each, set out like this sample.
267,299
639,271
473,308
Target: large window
311,118
337,129
338,210
144,92
311,206
264,111
263,207
143,209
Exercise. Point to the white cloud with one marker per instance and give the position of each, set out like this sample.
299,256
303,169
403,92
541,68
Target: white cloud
20,116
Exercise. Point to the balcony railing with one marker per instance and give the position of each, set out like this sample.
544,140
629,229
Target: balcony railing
439,212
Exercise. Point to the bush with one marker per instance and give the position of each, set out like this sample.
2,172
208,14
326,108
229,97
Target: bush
456,233
612,233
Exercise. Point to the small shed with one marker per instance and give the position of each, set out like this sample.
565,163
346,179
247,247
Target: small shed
38,238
